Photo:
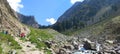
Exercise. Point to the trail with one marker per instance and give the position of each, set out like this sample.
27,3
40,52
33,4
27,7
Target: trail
28,47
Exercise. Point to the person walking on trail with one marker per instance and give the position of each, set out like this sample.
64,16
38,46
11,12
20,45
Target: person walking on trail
22,35
5,32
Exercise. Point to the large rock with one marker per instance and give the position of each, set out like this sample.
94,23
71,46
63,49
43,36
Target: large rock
118,51
87,45
110,41
69,47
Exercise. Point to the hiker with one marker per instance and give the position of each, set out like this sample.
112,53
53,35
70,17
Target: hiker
22,35
5,32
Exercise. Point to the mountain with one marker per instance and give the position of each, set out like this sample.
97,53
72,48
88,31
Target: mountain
28,20
86,13
95,20
8,20
104,33
11,28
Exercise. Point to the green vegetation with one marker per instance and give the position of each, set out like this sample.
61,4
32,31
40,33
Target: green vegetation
38,36
95,29
9,39
70,25
109,27
48,52
7,43
0,49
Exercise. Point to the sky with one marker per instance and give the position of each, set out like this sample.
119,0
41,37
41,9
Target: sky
46,12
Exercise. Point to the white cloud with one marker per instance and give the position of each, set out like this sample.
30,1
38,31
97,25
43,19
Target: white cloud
15,4
73,1
51,20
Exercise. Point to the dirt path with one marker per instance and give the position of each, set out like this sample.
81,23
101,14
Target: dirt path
27,47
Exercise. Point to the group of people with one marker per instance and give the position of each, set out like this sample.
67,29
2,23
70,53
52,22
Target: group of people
21,34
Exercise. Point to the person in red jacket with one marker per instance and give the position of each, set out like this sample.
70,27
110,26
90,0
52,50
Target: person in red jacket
22,35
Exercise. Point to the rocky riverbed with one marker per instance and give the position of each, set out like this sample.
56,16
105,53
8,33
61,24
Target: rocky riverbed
83,46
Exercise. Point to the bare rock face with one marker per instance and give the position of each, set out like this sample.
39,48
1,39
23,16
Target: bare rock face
28,20
9,21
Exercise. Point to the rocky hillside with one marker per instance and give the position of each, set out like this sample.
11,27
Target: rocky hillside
86,13
107,29
28,20
9,22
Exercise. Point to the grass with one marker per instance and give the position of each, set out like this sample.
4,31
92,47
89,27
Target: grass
0,49
96,29
7,43
37,34
107,28
9,39
34,37
48,52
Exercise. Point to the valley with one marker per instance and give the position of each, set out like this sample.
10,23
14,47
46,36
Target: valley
88,27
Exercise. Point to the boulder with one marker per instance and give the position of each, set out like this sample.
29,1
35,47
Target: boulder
118,51
110,41
69,47
49,44
62,51
12,52
87,45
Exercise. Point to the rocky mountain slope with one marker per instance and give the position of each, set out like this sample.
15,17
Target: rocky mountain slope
28,20
9,22
35,40
98,21
86,13
105,30
106,33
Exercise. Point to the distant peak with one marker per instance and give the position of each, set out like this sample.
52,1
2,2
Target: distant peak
74,1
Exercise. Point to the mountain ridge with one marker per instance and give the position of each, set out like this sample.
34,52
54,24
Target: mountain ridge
28,20
87,13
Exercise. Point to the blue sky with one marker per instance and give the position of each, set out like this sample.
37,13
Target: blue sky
46,12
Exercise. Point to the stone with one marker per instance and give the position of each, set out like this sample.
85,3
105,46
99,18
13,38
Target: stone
39,39
69,47
0,15
118,51
87,45
28,46
74,43
9,43
49,44
12,52
62,51
110,41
